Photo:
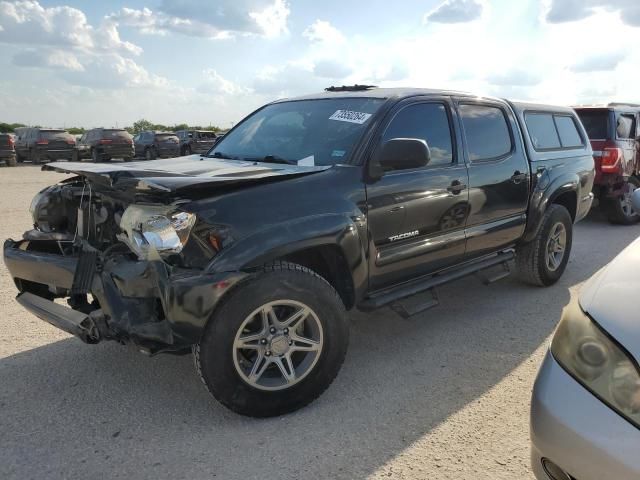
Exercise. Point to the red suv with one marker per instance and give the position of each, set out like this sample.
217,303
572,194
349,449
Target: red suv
613,134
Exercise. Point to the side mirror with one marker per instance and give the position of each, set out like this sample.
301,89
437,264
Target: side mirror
635,200
400,154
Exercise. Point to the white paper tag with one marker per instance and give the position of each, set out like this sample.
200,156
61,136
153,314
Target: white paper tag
309,161
350,116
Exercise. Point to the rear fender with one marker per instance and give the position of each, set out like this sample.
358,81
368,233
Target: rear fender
546,191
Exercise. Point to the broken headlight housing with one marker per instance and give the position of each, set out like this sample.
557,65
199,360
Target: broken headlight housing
599,363
153,231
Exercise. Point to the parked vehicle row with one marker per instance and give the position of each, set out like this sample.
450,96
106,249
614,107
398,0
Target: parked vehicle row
102,144
251,256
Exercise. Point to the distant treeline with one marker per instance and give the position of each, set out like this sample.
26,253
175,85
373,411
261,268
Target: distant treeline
138,126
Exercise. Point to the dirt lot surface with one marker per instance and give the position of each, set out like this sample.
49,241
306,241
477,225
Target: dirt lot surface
442,396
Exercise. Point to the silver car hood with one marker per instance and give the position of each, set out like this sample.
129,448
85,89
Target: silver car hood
612,298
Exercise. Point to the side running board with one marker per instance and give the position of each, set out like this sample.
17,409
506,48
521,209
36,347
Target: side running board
395,294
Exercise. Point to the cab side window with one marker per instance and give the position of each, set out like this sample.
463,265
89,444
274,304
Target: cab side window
486,131
428,122
626,126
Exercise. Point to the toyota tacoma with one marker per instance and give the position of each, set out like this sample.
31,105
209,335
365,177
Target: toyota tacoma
251,255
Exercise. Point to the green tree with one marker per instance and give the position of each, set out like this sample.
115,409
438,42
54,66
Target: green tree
142,125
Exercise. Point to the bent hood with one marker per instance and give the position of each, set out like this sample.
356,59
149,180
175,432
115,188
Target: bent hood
173,175
610,297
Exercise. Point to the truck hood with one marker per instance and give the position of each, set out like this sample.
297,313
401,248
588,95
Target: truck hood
173,175
610,297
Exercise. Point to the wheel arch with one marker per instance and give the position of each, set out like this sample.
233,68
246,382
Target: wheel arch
559,191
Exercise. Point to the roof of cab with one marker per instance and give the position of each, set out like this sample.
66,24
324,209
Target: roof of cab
541,107
382,93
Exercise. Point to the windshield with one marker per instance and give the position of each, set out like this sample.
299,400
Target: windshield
595,123
167,138
306,132
55,135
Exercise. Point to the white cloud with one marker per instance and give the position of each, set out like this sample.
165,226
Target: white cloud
515,77
29,23
322,31
560,11
455,11
216,84
273,19
599,62
218,20
56,59
113,72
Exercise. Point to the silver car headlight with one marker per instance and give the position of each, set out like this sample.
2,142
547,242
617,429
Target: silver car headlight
153,231
598,362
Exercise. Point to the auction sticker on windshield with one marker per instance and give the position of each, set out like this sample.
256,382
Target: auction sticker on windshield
350,116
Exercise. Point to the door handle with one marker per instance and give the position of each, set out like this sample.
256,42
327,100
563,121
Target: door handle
518,177
397,209
456,187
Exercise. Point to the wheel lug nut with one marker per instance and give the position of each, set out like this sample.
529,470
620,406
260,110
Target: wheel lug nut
286,330
263,341
272,330
290,342
268,353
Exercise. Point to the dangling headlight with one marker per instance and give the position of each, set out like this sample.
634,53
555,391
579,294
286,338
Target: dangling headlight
152,231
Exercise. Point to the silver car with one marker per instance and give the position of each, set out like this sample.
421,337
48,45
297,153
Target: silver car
585,410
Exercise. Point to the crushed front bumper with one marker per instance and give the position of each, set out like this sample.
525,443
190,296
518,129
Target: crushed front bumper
150,304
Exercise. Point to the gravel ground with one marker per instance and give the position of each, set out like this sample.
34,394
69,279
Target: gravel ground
444,395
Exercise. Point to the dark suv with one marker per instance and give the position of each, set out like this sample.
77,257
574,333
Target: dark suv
195,141
252,255
38,144
7,149
152,145
613,132
103,144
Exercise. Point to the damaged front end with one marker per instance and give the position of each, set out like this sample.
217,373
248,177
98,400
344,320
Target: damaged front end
131,268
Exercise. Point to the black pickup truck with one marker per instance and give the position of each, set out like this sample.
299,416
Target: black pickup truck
252,254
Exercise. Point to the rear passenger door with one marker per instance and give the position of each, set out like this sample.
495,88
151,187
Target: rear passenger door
416,216
498,176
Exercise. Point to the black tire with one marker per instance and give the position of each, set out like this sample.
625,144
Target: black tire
149,154
12,161
75,156
215,354
531,257
619,210
126,159
187,150
95,156
34,156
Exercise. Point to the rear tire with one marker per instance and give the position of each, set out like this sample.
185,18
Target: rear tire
253,381
126,159
75,156
543,260
95,156
619,210
12,161
34,156
149,154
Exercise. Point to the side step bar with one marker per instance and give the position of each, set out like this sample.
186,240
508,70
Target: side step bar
66,319
385,297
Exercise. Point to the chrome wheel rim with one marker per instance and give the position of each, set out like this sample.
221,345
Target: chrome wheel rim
278,345
556,245
625,200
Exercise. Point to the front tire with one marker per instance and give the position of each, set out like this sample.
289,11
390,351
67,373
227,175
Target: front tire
543,260
95,156
275,343
619,210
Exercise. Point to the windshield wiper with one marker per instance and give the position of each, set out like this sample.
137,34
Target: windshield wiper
271,159
222,155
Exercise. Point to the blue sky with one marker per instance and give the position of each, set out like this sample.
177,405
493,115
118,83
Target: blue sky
211,62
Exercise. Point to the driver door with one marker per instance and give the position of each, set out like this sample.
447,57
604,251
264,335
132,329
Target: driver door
417,217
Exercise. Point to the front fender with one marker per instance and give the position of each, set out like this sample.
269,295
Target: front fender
283,239
547,189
